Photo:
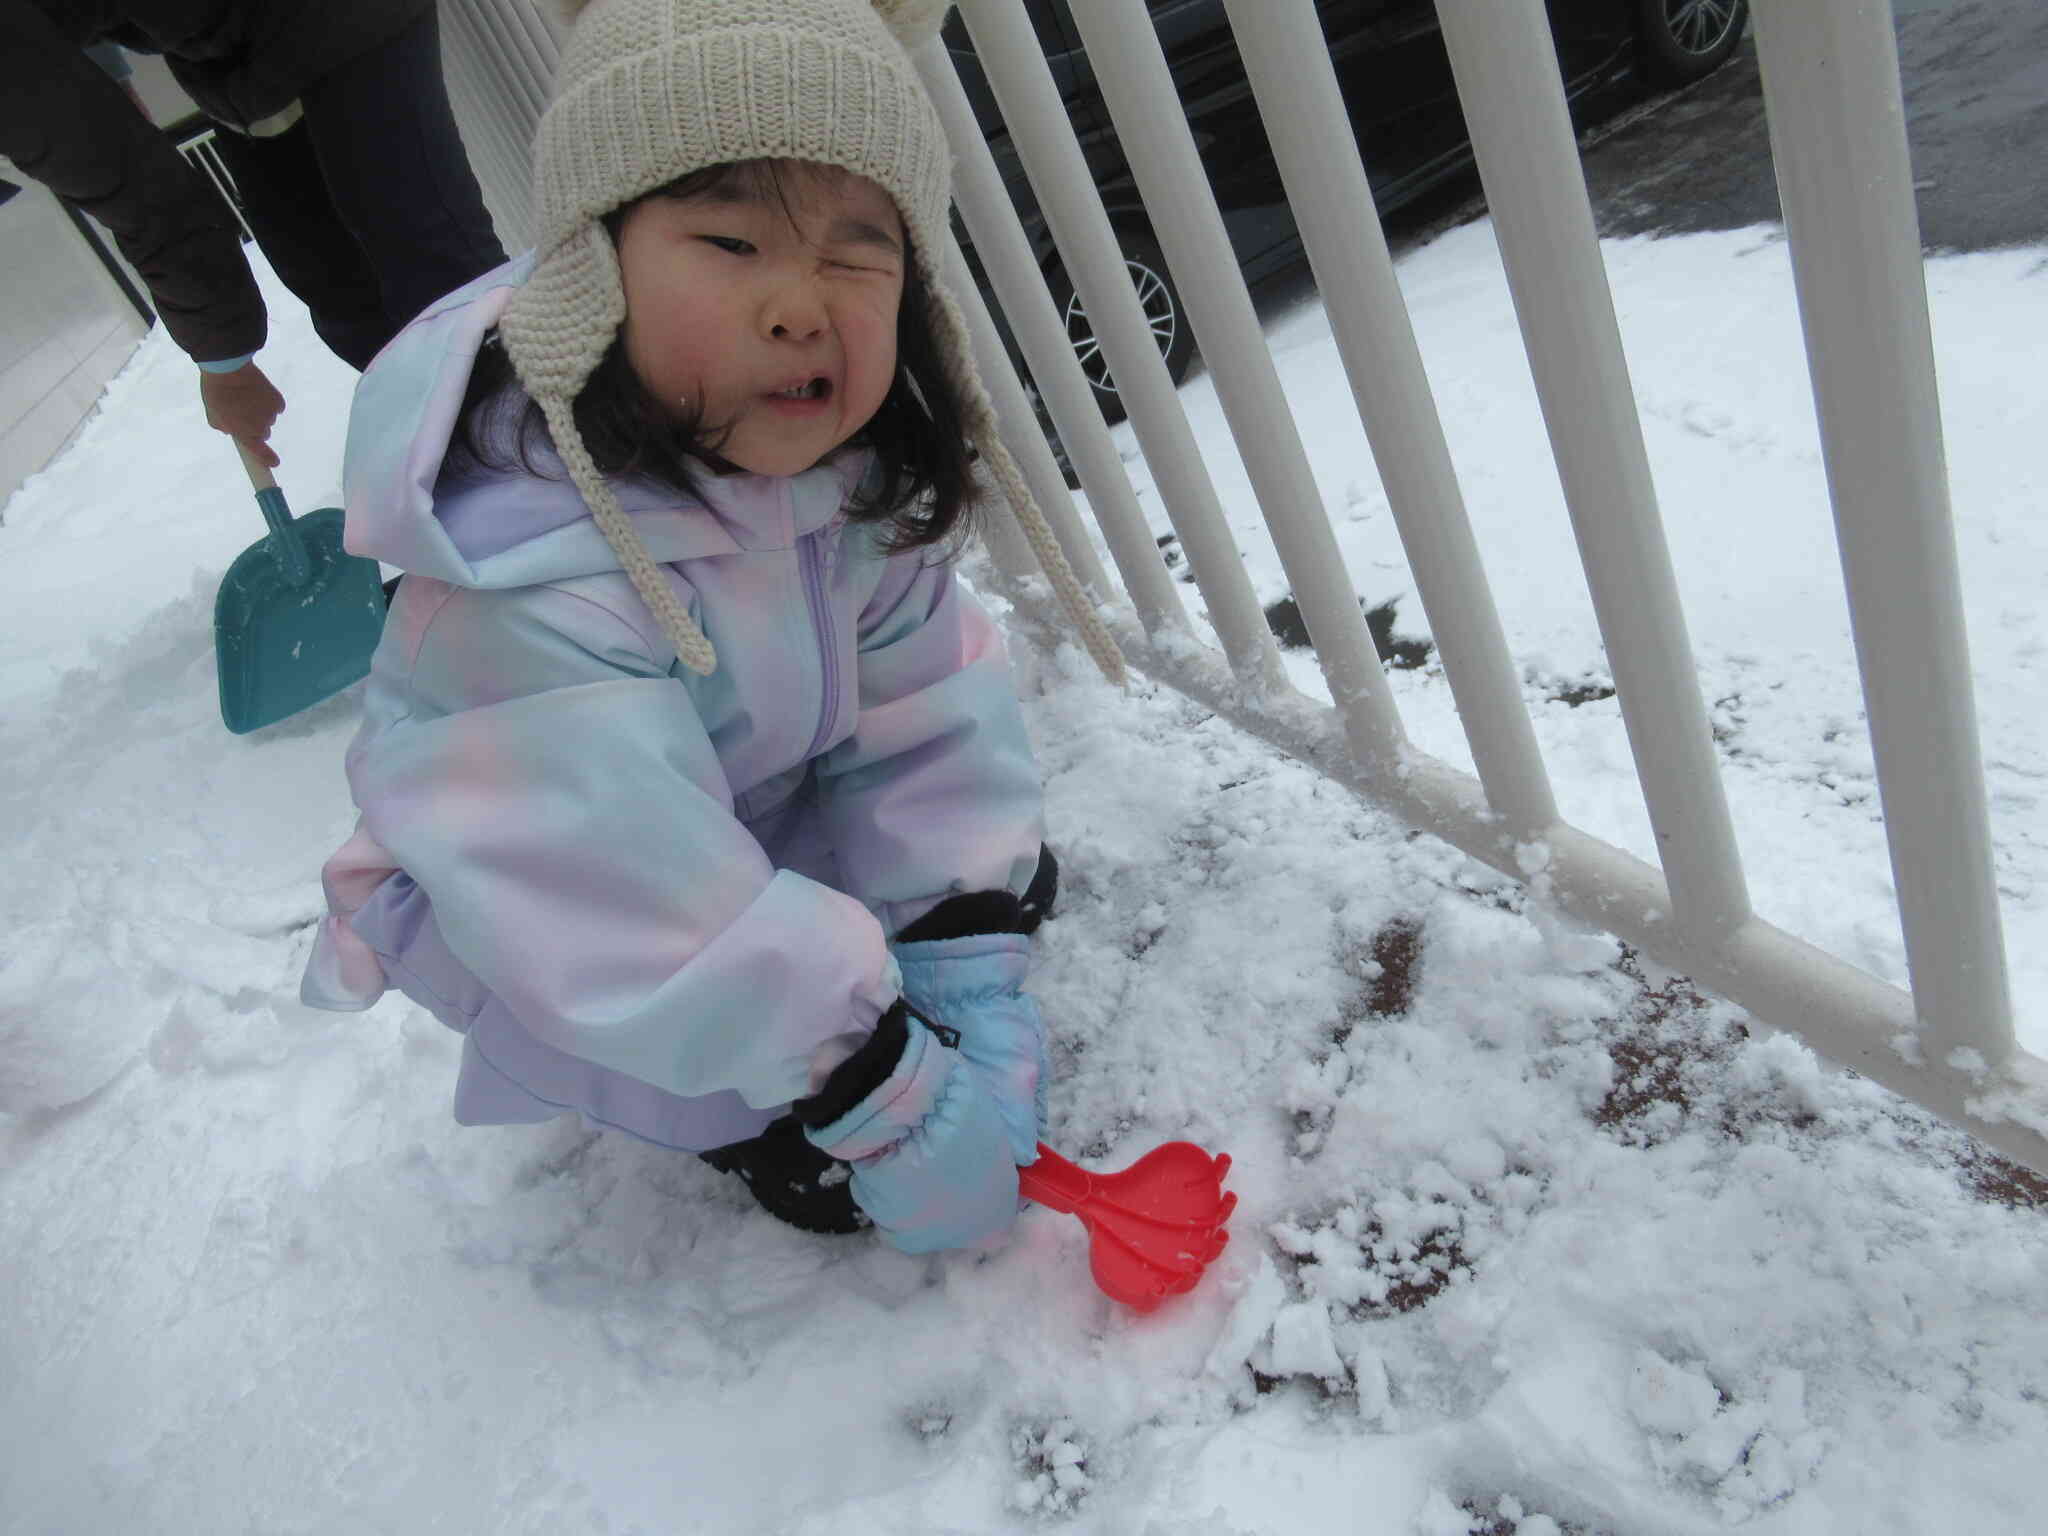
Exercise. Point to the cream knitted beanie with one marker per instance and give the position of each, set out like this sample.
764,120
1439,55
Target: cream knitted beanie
652,90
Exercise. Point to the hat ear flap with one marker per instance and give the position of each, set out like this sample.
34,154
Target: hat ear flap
561,322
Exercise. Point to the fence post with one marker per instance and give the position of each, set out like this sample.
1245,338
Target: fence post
1303,109
1021,436
1506,68
1838,139
1138,87
1006,255
1044,139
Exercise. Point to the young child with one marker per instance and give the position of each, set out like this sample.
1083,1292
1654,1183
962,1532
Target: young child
694,792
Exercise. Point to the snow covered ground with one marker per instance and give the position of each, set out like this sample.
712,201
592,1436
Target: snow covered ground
1528,1242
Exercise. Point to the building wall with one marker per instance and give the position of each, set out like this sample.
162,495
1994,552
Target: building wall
65,326
65,329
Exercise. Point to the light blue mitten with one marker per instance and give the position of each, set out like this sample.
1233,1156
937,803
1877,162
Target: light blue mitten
931,1162
975,985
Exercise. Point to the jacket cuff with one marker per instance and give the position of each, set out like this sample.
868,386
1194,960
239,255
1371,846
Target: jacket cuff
980,912
861,1073
960,917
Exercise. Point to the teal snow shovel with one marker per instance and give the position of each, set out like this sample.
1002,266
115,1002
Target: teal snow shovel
296,618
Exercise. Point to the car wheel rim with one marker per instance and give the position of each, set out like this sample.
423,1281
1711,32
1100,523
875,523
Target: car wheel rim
1154,298
1699,26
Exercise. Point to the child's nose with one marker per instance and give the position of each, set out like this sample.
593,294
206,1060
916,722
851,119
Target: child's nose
795,312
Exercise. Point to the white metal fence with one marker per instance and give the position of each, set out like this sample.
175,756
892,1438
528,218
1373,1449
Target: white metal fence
1837,130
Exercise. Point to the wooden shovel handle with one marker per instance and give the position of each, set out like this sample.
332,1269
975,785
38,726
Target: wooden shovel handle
260,477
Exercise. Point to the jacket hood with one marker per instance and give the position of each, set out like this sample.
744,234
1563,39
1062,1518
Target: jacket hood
497,530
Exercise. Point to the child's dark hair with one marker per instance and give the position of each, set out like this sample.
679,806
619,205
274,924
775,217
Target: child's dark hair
926,481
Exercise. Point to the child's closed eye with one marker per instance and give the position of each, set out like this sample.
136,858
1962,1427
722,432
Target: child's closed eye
731,244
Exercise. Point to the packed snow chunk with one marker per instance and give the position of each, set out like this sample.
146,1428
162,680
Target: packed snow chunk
1439,1516
1369,1375
1569,945
1777,1448
1522,1523
1668,1399
1970,1063
1746,1456
1302,1343
1249,1322
1054,1461
69,1019
1477,1161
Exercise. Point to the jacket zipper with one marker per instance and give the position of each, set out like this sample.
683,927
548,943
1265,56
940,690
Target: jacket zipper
816,560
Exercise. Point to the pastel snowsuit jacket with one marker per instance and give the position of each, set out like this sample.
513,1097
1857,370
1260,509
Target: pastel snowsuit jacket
659,899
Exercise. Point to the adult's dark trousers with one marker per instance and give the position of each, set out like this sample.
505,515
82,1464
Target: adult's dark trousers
366,207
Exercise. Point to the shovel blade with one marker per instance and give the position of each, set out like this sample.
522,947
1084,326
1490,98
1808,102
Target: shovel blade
1154,1228
282,647
1141,1270
1172,1184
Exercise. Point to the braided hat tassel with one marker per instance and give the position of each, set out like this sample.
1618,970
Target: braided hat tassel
1052,559
693,649
981,427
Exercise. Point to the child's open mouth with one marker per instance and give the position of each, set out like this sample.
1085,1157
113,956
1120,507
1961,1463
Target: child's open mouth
809,392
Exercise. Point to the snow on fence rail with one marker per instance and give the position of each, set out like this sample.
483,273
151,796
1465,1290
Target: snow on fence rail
1832,95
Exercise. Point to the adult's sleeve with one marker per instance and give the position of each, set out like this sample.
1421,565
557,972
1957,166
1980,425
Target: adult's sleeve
64,122
936,791
569,820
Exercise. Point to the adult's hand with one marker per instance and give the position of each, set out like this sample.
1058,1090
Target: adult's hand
244,404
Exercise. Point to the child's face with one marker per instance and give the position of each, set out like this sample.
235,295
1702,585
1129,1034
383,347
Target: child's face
774,317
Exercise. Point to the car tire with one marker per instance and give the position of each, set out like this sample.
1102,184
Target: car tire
1163,307
1686,40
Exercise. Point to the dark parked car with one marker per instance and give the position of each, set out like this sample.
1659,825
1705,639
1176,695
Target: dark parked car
1397,86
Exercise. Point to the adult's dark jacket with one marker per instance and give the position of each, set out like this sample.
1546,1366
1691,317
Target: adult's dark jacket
64,122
